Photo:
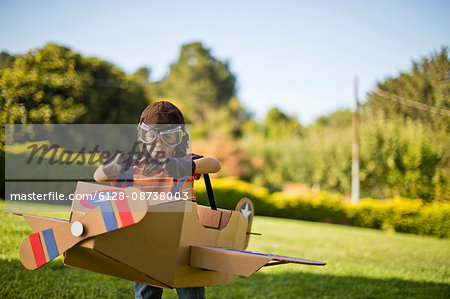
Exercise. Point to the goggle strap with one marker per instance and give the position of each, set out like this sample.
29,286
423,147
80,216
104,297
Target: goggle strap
151,128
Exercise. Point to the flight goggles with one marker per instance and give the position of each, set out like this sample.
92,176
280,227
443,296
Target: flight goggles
170,135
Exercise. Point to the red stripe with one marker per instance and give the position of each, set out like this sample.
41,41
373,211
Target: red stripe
38,253
123,183
124,212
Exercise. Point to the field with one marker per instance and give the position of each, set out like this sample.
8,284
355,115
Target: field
362,263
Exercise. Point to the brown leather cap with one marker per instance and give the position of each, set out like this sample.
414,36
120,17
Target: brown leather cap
162,112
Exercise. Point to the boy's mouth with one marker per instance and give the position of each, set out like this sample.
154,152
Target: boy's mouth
159,155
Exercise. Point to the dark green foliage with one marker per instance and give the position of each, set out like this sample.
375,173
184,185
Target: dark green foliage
337,119
6,60
397,157
204,88
404,158
427,82
278,124
142,75
55,85
199,81
321,157
228,192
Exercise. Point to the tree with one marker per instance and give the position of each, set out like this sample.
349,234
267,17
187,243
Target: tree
404,158
199,81
6,60
55,85
426,83
142,75
336,119
278,124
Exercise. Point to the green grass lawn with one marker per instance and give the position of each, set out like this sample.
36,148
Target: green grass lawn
362,263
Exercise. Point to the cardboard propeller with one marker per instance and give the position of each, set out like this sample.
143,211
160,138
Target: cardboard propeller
54,236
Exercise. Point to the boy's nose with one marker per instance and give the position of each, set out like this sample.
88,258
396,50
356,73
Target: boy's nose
159,143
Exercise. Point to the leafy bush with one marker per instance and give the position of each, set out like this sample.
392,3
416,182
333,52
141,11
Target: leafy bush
402,157
396,214
228,191
397,157
54,85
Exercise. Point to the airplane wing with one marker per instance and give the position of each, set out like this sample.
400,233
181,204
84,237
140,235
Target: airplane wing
54,236
40,223
240,262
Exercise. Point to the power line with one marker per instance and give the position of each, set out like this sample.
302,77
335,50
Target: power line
411,103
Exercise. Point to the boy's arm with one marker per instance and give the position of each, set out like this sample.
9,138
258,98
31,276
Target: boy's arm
114,167
181,167
100,176
207,165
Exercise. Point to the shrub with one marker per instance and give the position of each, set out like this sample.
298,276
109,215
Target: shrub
396,214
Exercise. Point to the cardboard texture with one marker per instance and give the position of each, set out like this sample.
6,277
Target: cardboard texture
167,244
239,261
56,237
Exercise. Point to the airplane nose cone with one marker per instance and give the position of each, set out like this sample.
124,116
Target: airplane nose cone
76,228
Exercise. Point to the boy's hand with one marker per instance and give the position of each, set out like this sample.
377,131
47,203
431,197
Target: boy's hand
179,167
117,165
152,165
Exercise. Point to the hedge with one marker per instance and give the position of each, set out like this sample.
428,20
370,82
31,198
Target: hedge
395,214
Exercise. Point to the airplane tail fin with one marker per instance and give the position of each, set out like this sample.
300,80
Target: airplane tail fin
40,247
245,206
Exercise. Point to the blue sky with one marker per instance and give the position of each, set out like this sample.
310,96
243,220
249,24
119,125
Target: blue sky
300,56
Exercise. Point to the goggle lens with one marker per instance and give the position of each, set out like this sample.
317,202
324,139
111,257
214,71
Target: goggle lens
170,138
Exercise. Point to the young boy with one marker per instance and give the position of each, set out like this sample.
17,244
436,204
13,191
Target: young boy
161,165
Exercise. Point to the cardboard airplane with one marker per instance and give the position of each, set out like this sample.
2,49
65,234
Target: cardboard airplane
166,244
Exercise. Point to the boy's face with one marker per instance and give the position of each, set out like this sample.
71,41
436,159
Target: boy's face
160,140
159,151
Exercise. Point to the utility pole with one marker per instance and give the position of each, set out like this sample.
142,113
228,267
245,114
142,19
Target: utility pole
355,148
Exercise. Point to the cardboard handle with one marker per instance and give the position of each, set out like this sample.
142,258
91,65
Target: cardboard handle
209,191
